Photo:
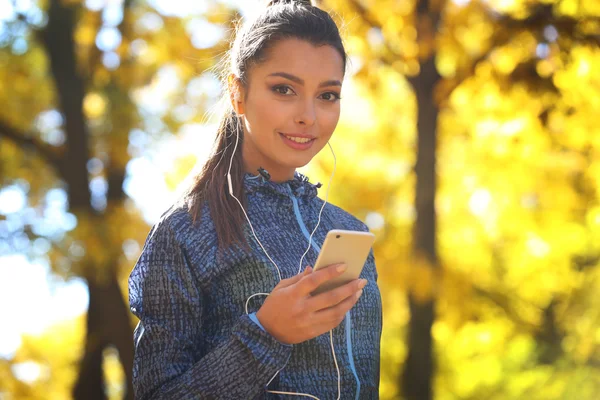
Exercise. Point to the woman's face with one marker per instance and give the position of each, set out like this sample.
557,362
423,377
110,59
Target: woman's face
290,106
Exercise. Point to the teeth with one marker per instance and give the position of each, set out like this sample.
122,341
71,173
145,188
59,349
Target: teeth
298,140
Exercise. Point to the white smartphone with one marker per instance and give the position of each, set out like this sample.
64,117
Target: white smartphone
342,246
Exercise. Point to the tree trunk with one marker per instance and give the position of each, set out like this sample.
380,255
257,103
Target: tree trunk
90,382
419,367
107,324
60,46
107,318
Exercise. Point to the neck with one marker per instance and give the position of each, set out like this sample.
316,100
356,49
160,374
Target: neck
278,173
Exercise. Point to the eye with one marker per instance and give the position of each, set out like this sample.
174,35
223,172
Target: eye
331,96
282,89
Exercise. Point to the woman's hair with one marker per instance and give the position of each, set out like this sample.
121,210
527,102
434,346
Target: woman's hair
281,19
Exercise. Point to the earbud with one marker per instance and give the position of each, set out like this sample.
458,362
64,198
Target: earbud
229,184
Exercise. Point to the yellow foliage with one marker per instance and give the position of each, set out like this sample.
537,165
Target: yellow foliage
517,201
45,367
94,105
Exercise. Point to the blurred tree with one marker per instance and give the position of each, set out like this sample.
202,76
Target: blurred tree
79,75
460,56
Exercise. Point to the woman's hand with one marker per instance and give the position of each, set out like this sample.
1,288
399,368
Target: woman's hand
291,315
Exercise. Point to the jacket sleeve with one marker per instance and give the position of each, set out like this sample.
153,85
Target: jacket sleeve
169,360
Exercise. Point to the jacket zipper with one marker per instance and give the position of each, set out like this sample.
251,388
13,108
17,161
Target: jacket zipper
348,317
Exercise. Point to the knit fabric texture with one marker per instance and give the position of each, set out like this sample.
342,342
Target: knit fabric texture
194,339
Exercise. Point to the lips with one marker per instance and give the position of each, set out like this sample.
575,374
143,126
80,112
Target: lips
298,141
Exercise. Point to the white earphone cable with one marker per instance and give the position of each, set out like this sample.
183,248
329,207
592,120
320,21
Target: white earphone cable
237,135
322,207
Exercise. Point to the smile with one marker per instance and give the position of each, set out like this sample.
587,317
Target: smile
298,140
297,143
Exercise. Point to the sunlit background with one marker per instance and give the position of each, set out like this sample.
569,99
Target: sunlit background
512,127
41,300
34,299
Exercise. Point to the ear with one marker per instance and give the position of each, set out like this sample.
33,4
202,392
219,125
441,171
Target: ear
236,93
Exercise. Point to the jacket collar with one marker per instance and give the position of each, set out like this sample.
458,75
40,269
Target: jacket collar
298,186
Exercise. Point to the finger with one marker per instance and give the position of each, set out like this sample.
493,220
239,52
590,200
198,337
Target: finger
332,297
294,279
337,312
309,283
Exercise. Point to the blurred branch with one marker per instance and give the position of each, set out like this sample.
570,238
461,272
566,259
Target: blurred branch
502,301
550,336
581,262
593,362
542,15
28,141
388,56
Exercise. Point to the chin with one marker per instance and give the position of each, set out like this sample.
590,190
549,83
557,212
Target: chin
299,163
302,164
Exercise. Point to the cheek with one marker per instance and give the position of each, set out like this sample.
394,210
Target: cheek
268,115
328,120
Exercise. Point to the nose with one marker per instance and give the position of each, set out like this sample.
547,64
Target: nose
307,114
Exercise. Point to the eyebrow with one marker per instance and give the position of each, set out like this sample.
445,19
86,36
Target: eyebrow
300,81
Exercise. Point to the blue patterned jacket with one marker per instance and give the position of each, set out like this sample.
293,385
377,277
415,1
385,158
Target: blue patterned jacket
195,340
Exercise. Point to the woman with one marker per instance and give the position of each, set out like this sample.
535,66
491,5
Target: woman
224,310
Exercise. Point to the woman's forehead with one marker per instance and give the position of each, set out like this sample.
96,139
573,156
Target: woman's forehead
302,59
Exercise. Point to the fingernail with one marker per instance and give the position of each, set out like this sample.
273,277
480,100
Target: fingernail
341,267
359,293
362,284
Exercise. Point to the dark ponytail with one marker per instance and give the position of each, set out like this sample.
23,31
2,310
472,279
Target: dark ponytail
299,2
282,19
210,185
